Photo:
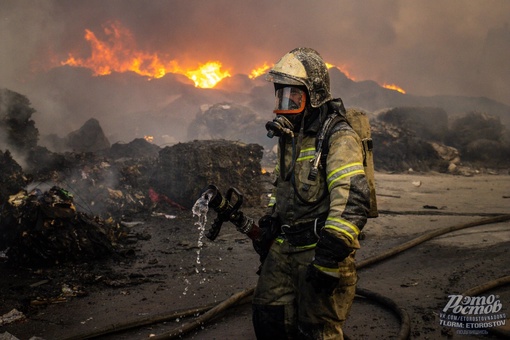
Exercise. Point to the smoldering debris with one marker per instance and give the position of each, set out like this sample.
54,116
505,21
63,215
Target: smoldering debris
138,148
231,122
101,185
109,186
45,228
419,138
70,208
12,178
78,207
12,316
186,169
399,149
426,139
16,124
88,138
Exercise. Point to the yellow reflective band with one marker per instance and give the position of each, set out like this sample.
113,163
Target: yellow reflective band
326,269
310,246
306,154
343,226
272,202
345,171
280,240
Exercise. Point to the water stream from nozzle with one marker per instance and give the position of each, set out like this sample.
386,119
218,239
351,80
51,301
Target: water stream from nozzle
200,209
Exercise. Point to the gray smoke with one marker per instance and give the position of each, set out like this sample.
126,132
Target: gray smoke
427,47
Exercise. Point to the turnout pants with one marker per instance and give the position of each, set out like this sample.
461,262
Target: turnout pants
285,306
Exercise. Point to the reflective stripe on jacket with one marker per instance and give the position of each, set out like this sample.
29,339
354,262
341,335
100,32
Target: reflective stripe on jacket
340,191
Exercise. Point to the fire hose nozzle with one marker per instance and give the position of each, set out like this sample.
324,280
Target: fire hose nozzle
226,208
216,200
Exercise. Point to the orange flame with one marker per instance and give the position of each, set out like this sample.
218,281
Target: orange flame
207,75
259,71
118,53
342,69
149,138
394,88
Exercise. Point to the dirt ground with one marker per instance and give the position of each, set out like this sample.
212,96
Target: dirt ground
163,275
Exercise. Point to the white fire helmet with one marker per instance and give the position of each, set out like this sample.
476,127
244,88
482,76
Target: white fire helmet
303,67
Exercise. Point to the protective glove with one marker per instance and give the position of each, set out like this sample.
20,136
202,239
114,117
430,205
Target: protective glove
268,222
320,281
322,273
330,250
270,228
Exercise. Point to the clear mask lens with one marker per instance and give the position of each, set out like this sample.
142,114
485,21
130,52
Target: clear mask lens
290,100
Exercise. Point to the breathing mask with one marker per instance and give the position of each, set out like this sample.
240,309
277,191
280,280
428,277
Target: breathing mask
289,107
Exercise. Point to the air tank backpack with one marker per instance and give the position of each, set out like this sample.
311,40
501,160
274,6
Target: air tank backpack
360,123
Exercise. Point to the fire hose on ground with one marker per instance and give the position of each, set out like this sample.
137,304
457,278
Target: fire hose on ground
211,311
505,280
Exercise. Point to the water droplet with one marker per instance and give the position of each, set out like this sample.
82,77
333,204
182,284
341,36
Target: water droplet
200,209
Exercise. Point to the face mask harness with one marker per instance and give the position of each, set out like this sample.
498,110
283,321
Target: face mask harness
289,107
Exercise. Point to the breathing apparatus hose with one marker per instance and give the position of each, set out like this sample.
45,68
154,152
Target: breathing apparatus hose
243,296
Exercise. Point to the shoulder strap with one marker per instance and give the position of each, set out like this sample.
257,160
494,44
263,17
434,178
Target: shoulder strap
338,110
314,170
334,127
330,125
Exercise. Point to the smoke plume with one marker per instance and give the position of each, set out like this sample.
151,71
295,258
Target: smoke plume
427,47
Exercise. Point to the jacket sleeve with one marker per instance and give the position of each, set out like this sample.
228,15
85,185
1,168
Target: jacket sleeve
348,187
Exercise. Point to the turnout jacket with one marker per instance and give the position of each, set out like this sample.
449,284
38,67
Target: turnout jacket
339,197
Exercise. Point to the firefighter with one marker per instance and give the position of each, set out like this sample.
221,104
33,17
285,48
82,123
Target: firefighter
307,279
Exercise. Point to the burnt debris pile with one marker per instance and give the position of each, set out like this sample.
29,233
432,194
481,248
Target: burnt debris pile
427,139
67,198
74,210
45,228
71,200
186,169
88,138
231,122
420,138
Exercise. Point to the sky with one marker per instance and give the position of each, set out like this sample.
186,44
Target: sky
426,47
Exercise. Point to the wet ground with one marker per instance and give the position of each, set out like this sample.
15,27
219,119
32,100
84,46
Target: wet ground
163,275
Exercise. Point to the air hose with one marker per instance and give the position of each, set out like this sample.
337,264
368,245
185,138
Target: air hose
243,296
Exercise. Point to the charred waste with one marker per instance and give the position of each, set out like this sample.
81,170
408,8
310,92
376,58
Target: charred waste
67,200
68,203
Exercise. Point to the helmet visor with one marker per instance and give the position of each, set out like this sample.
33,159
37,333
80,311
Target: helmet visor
289,100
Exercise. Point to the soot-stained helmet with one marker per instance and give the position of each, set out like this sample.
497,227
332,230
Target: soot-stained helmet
303,66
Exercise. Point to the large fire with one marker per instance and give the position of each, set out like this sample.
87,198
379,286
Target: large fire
259,71
342,69
394,88
207,75
118,53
